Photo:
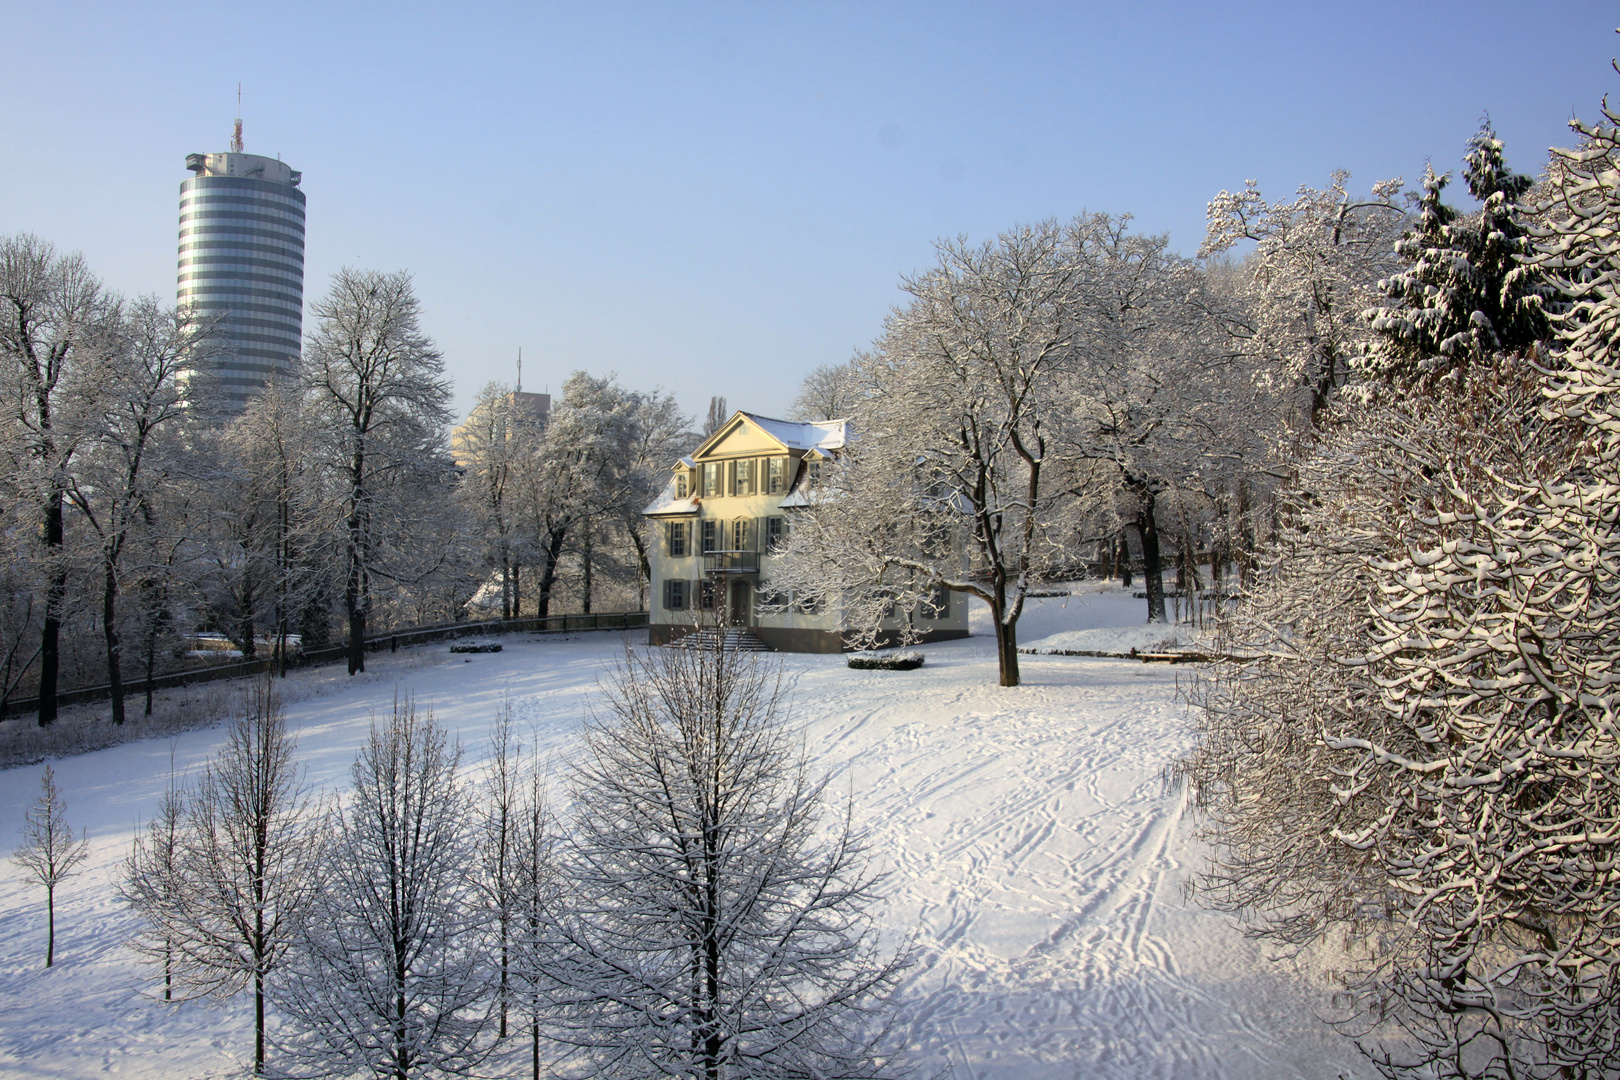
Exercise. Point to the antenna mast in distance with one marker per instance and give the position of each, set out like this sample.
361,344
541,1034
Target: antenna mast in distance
236,140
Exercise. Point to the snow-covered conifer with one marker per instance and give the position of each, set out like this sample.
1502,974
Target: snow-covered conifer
1464,292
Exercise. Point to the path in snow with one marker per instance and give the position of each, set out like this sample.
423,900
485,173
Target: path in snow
1035,854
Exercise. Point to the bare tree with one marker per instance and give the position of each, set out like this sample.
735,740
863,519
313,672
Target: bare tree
222,913
499,821
391,975
49,851
154,860
717,416
377,384
534,887
715,918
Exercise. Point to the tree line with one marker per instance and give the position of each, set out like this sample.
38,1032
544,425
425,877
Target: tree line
138,514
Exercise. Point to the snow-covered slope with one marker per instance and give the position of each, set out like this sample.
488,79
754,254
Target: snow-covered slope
1036,857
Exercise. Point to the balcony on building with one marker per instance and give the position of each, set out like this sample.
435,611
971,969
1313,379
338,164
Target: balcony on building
731,562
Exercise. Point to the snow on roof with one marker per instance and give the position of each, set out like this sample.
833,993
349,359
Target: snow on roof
668,505
685,463
804,435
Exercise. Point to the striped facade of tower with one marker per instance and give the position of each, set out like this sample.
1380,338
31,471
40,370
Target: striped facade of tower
242,257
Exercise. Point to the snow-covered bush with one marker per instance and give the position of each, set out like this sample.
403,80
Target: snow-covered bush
904,660
1421,749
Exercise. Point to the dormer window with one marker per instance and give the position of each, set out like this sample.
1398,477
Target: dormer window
812,473
680,484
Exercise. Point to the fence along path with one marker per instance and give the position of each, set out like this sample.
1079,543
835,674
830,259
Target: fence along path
328,654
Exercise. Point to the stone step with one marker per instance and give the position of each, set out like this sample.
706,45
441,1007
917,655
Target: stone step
730,638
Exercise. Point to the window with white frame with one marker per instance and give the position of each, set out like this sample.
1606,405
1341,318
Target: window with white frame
743,477
740,539
708,595
675,543
711,539
711,479
773,475
775,534
681,485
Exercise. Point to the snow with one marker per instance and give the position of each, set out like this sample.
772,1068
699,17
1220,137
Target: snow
804,435
1037,861
1112,621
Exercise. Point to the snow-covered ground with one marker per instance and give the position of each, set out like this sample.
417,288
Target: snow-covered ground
1036,857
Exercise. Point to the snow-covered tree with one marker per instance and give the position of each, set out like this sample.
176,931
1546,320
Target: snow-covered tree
827,393
54,322
50,853
500,817
140,399
961,398
492,446
715,915
223,909
1464,292
580,475
533,896
390,977
378,394
1417,743
154,861
1313,271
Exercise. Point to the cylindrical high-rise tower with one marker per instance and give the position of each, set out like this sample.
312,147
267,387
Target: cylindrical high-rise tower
242,254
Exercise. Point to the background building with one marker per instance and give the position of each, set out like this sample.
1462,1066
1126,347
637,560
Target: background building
242,253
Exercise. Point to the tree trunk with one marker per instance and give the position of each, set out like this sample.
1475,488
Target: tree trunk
1147,528
1124,562
548,572
109,633
1006,644
50,925
506,587
357,626
244,626
50,638
258,1023
586,579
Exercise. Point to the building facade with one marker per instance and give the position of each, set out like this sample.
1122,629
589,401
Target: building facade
242,258
728,506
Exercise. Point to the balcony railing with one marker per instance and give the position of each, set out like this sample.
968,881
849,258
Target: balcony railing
731,562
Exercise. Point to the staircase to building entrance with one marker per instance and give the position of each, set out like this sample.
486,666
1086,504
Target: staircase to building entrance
729,638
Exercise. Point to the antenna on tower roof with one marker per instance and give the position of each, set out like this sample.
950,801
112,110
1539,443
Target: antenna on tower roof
236,140
520,370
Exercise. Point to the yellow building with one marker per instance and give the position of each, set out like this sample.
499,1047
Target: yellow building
726,509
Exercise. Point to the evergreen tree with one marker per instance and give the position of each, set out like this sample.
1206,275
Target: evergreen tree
1464,294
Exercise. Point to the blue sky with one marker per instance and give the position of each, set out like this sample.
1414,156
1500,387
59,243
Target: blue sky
716,198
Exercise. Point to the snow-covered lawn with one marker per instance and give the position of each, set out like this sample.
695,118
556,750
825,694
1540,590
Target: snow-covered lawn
1036,856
